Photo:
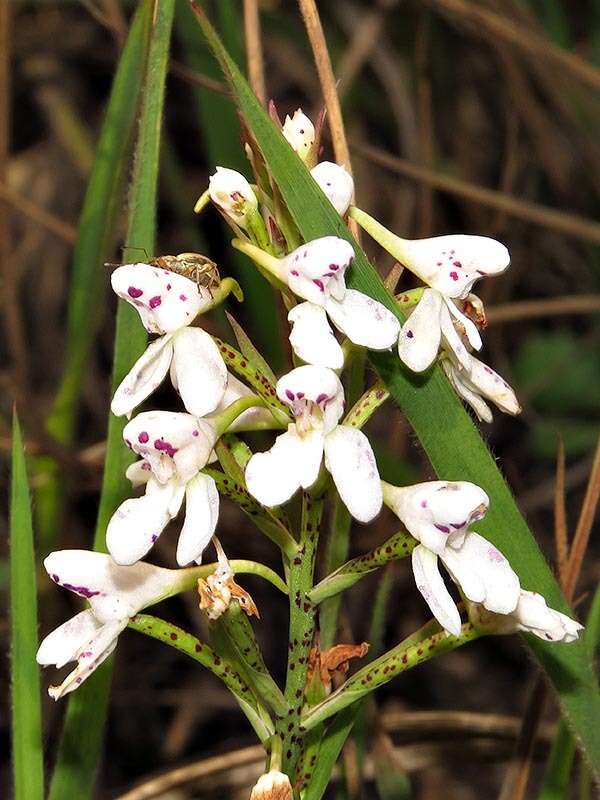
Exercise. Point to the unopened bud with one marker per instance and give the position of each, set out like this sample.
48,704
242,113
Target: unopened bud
232,193
273,785
300,133
336,183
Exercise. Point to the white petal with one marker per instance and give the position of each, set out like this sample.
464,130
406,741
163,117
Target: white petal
432,587
533,615
293,461
420,336
196,455
65,642
198,371
144,377
312,339
315,270
483,573
164,300
457,379
113,591
138,522
336,183
300,133
161,436
436,512
452,341
471,330
484,380
452,264
201,516
139,473
94,653
317,385
364,321
350,460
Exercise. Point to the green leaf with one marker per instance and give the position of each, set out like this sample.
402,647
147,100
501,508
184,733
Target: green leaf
97,228
249,350
220,137
447,433
86,714
27,751
560,762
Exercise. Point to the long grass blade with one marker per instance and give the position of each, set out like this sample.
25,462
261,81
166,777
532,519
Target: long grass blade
454,446
27,754
83,731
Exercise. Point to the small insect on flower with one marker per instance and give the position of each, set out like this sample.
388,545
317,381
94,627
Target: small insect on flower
195,266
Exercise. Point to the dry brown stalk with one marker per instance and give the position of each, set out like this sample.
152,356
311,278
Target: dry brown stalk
485,21
561,535
254,53
531,309
52,223
559,221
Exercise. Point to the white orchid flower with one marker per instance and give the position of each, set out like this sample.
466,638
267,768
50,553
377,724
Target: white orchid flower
316,399
115,594
438,515
336,183
315,272
477,381
167,304
532,615
450,264
174,447
231,192
300,133
432,324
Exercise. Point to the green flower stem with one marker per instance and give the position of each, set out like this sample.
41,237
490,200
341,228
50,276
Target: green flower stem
395,245
362,411
386,667
268,263
264,519
188,577
242,641
302,629
398,546
202,202
226,287
200,651
228,416
255,226
259,382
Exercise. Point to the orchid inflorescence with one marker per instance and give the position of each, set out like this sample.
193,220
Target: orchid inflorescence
320,444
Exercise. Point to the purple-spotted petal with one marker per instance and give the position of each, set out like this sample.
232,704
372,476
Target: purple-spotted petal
365,322
144,377
201,516
336,183
483,380
431,585
308,386
138,522
315,270
421,334
458,379
139,473
312,339
351,462
533,615
164,300
198,371
483,573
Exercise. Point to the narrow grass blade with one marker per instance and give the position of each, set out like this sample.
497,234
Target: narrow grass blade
98,225
220,126
454,446
83,730
27,754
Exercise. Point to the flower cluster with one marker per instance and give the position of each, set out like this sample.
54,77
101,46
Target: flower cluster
319,446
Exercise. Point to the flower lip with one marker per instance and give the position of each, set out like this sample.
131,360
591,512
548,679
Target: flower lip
309,389
315,270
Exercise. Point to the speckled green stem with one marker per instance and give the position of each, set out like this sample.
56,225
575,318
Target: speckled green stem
398,546
226,287
302,629
362,411
386,667
200,651
267,522
239,364
229,415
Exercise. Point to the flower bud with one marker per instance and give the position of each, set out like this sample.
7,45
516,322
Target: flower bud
273,785
232,193
336,183
300,133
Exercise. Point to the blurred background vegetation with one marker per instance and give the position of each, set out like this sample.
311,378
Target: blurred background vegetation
478,117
